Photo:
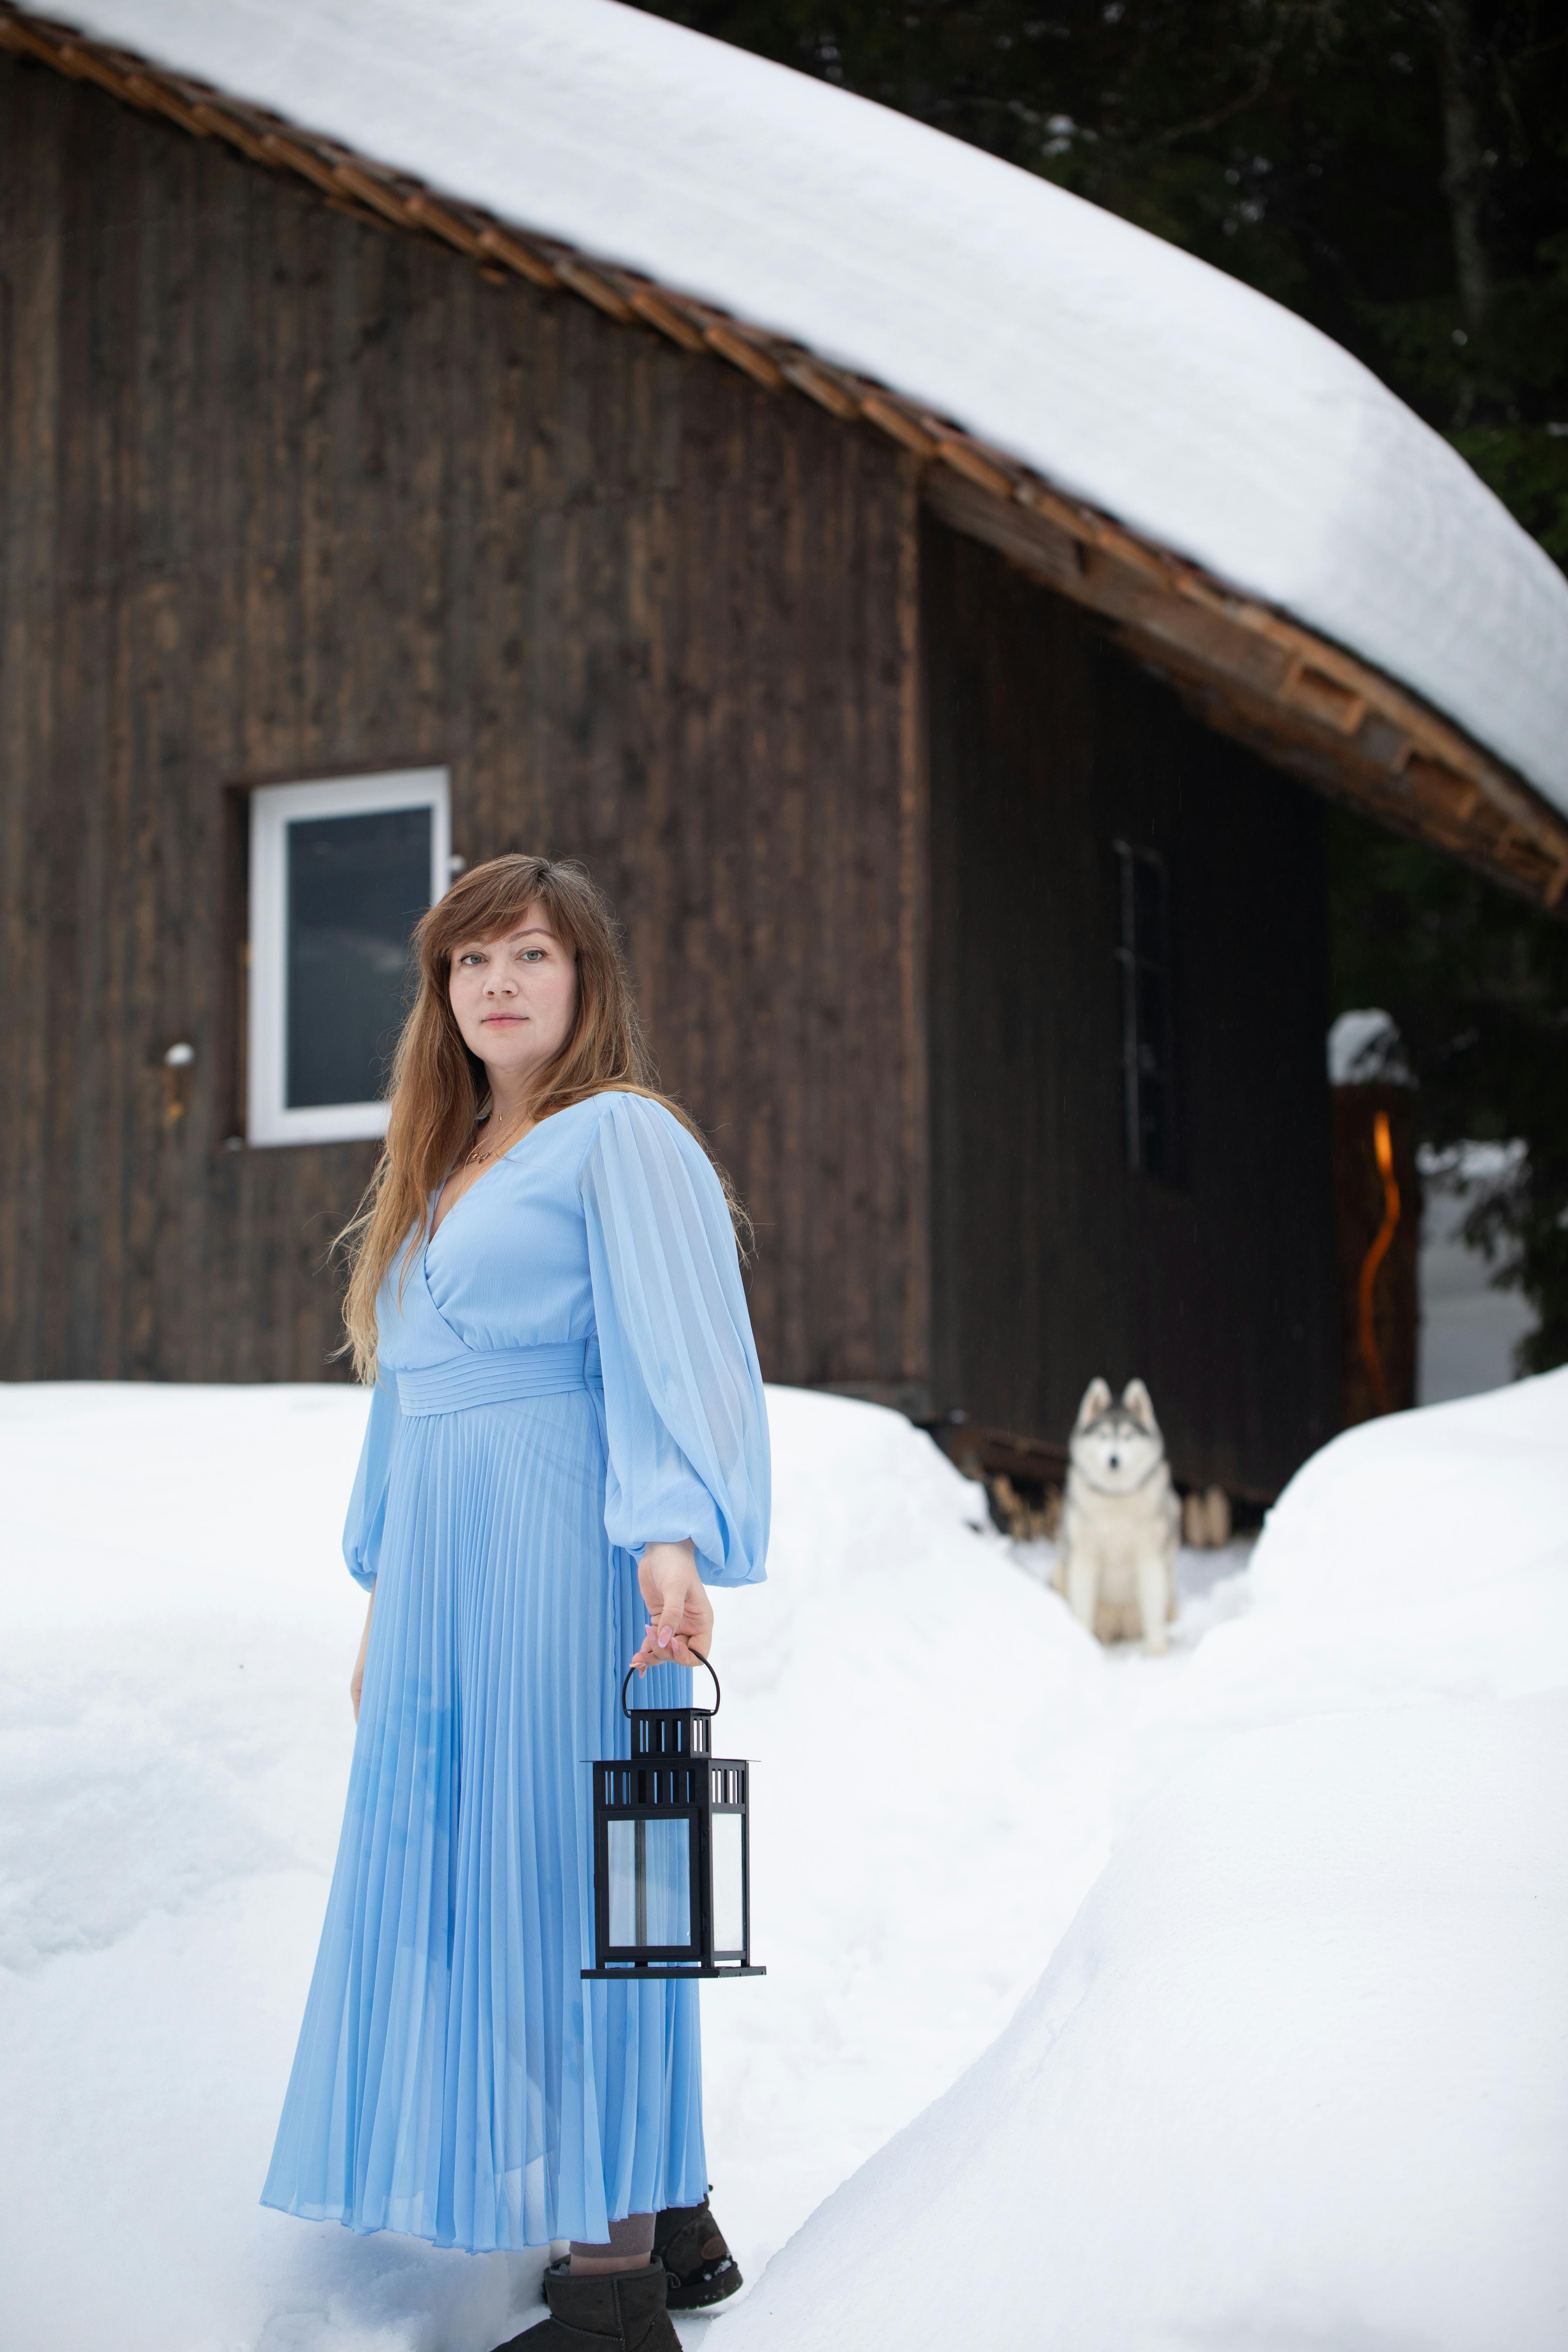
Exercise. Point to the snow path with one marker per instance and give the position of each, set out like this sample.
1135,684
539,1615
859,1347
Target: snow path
944,1765
1130,373
1295,2078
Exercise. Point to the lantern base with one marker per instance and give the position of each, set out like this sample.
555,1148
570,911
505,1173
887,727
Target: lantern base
635,1972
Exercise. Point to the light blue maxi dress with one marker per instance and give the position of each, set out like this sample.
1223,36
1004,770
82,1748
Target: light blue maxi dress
570,1375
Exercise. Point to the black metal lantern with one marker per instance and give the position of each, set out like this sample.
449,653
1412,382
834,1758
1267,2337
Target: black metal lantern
671,1851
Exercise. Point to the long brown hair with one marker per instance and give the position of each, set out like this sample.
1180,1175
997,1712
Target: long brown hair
438,1090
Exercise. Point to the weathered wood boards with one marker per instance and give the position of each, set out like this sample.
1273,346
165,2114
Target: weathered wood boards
291,493
1308,706
288,495
1055,1259
1303,702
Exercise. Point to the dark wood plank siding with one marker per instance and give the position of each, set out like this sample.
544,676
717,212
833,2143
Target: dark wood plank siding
286,496
1054,1261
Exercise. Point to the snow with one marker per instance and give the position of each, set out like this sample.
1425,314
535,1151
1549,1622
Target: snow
1294,2079
1365,1049
1296,2076
1129,372
1470,1329
1293,2075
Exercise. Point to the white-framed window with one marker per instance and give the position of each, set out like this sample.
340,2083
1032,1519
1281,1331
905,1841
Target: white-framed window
340,874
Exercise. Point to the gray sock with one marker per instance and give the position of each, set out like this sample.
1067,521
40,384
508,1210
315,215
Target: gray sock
629,2248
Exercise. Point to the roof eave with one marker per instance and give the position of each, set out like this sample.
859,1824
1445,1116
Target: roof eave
1307,705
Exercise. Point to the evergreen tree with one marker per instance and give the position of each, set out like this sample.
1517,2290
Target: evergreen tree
1396,170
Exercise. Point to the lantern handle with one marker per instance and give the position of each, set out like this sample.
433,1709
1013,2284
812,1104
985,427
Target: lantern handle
718,1694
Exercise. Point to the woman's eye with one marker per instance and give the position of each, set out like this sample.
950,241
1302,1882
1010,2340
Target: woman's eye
534,955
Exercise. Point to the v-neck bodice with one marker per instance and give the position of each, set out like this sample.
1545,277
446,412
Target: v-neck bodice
605,1230
508,1266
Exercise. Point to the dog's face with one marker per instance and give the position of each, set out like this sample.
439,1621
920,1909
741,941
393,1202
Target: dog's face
1116,1446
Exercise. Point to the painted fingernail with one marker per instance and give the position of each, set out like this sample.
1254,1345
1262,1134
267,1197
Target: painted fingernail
663,1637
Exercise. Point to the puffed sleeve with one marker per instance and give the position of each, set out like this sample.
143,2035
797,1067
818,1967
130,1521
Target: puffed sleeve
367,1504
686,1421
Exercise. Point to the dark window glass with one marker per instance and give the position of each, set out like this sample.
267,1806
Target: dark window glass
357,885
1147,1043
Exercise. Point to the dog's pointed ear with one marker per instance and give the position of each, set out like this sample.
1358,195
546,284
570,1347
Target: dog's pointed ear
1136,1400
1095,1398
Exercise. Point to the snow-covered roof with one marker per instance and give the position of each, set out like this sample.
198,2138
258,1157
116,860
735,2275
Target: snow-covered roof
1200,414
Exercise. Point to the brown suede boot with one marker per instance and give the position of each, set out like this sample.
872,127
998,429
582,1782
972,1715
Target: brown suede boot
623,2311
689,2243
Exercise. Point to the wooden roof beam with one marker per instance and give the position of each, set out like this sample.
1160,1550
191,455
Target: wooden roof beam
1306,704
1424,808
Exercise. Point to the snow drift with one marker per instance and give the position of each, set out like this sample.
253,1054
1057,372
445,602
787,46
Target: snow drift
1295,2077
1311,2011
1297,2074
1130,373
173,1752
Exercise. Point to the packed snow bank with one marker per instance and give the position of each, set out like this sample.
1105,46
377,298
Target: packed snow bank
1296,2078
1131,374
176,1633
945,1763
1298,2073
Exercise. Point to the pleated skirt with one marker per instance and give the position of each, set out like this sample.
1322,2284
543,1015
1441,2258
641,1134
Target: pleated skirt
456,2078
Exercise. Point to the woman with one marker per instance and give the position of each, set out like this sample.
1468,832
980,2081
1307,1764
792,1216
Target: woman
566,1442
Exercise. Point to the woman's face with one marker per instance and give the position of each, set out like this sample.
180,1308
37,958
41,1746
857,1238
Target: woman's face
515,998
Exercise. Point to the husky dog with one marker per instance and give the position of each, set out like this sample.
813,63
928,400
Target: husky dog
1121,1520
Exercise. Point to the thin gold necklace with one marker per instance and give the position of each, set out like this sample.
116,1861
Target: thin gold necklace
478,1156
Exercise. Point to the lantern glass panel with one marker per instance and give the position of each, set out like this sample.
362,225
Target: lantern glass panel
729,1884
650,1884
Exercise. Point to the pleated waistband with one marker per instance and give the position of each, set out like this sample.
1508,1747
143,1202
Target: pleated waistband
496,1375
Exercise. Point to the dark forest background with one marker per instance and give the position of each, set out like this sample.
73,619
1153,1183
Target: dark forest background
1396,171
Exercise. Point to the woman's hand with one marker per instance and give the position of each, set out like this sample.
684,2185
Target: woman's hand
681,1610
357,1677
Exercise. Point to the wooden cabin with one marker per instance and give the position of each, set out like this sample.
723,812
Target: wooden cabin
968,845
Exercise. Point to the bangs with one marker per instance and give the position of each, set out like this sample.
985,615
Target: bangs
482,905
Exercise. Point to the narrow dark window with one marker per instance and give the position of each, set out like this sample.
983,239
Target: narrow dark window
1148,1073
